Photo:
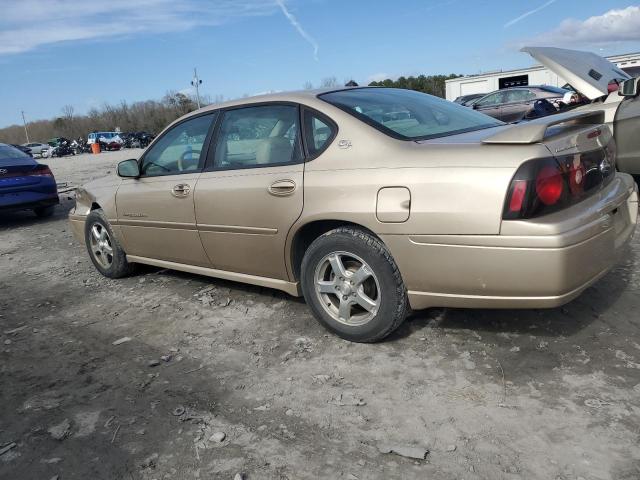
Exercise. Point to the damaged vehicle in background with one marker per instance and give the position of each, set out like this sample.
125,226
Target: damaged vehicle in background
520,103
369,202
592,76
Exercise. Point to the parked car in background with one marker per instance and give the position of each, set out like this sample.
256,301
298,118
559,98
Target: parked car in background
136,139
520,103
104,137
369,201
38,148
608,88
60,147
25,184
469,99
23,149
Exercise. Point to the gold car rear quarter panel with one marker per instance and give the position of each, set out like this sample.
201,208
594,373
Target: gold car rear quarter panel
486,271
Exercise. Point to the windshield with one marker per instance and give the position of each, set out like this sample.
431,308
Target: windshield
407,114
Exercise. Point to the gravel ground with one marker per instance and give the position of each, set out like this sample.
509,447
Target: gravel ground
170,375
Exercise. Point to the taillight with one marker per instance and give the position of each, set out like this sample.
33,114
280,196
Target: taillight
549,184
517,195
546,185
41,171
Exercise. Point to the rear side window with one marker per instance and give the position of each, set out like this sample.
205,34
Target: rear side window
265,135
319,131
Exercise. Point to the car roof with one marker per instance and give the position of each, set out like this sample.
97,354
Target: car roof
298,96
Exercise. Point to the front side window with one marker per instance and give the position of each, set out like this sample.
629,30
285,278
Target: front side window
407,114
179,150
318,132
490,100
258,136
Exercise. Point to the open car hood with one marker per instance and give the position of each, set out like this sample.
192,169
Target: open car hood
588,73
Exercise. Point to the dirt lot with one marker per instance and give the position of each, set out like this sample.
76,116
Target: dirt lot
491,394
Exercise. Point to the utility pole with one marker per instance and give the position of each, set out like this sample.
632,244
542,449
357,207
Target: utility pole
26,132
196,82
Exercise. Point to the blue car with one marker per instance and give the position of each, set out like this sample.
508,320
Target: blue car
25,184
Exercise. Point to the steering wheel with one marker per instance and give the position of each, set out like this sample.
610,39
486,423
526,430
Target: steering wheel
183,158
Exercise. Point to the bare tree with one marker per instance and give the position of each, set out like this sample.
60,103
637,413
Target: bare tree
329,82
67,112
308,85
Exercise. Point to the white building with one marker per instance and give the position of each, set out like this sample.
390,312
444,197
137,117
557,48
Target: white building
536,75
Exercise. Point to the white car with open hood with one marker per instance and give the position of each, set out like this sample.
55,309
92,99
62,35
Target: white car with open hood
591,75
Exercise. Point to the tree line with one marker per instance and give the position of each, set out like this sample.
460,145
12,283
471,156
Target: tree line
153,115
149,116
431,84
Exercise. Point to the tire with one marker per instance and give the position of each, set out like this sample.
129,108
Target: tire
104,250
44,212
383,291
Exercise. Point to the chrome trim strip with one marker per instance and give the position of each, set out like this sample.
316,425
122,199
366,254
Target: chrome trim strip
237,229
154,224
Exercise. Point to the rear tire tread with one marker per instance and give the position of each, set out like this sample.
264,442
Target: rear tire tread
402,308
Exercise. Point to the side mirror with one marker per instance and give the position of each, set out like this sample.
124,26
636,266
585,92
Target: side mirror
474,106
129,168
629,88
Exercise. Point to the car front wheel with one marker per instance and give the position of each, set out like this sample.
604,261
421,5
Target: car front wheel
106,253
353,285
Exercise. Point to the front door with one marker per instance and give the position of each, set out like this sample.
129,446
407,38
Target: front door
491,105
156,211
252,190
517,103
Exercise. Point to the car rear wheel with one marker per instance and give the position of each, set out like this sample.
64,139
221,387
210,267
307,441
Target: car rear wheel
106,253
353,285
44,212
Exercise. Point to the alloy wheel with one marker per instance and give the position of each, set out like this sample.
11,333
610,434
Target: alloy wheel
347,288
101,247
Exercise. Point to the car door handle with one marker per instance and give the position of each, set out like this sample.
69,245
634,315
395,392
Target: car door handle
181,190
282,188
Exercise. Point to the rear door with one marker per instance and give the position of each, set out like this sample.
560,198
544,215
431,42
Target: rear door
156,211
252,190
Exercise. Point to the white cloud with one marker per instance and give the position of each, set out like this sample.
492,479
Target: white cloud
613,26
28,24
526,14
303,33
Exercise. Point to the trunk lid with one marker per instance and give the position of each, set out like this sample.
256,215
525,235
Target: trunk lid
18,172
588,73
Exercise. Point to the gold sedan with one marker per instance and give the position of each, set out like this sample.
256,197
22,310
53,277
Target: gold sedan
369,202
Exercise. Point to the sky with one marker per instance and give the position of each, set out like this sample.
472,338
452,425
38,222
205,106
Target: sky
86,53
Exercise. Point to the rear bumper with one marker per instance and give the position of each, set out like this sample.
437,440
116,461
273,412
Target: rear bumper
553,264
27,202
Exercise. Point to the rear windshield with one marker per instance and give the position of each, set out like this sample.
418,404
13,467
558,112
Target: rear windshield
407,114
7,152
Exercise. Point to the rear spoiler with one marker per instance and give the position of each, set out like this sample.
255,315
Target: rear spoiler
535,131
